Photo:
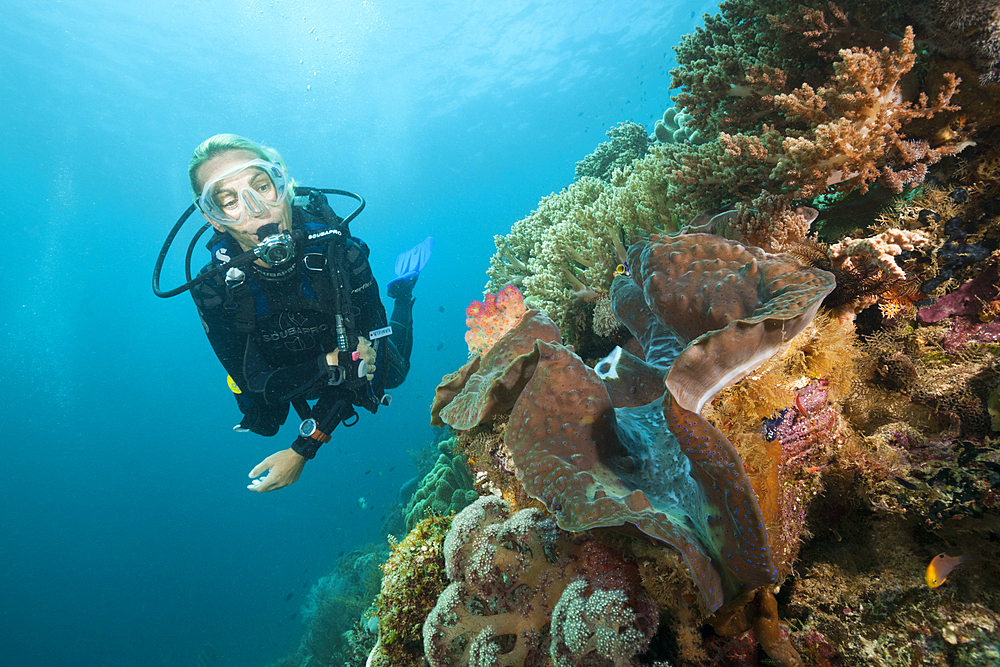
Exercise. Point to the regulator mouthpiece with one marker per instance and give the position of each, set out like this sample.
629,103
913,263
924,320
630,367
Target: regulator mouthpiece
276,249
269,229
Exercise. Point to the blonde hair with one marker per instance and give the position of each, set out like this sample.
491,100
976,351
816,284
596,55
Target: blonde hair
222,143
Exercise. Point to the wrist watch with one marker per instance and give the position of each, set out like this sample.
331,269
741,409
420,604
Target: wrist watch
309,429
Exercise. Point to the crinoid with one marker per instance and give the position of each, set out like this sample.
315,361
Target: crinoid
859,284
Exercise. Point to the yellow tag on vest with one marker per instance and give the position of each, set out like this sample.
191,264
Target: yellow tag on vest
232,384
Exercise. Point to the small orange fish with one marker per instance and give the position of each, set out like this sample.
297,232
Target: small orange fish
940,567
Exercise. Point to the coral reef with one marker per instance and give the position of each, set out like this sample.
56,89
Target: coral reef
804,455
523,591
967,29
414,577
492,318
612,448
446,489
626,143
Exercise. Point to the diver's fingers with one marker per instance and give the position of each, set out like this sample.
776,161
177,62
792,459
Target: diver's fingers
260,468
257,485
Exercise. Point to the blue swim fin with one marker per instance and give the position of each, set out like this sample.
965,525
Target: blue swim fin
408,267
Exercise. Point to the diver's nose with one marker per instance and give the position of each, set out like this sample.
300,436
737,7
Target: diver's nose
252,205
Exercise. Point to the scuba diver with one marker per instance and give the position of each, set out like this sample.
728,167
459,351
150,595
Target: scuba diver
289,302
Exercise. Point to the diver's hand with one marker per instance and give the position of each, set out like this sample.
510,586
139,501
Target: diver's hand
284,468
366,351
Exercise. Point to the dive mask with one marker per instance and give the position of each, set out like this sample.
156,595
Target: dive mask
248,189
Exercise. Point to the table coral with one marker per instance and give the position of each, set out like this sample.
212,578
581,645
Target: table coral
509,573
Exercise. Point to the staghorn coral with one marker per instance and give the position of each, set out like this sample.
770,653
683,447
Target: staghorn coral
770,223
509,573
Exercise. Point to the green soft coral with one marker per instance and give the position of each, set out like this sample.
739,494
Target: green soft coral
446,489
566,252
626,143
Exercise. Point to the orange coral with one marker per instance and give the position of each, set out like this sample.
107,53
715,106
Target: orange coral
856,137
491,318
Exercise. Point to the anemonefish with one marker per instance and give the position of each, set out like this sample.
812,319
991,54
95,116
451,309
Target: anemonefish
940,567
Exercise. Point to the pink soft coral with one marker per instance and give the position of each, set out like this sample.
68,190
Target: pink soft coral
491,318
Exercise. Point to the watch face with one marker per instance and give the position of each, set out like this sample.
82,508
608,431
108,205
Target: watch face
308,428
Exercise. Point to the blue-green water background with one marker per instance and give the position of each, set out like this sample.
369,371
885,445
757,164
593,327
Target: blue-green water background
128,536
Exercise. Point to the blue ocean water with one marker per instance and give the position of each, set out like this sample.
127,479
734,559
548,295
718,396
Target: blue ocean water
128,536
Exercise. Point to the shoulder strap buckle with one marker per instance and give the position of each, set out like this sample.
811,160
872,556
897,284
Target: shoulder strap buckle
314,261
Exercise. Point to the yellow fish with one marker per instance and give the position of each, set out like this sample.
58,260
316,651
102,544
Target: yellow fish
940,567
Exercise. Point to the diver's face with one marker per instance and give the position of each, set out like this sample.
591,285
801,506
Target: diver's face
226,193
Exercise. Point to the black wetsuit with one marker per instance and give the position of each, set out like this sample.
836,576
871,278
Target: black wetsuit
273,331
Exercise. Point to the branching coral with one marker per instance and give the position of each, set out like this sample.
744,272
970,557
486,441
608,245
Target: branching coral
794,117
626,143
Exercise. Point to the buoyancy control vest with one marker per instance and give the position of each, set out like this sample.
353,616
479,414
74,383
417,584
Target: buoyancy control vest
248,299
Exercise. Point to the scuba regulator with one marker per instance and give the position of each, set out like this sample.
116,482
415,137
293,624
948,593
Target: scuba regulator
275,249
